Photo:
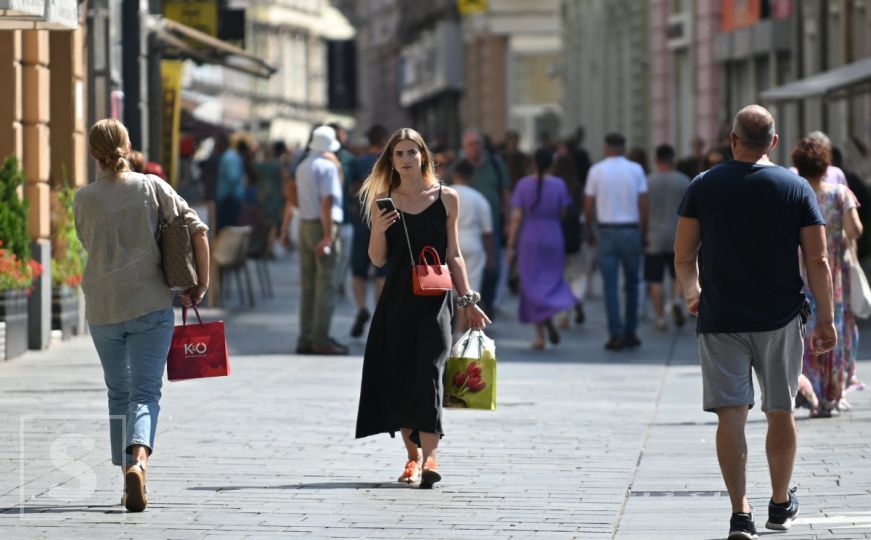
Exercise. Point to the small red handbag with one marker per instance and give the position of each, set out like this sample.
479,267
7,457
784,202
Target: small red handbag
427,279
430,279
197,351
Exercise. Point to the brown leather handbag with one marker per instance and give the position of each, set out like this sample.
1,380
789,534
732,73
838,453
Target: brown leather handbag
176,251
427,279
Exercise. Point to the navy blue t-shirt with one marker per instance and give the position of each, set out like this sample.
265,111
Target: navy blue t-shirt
750,216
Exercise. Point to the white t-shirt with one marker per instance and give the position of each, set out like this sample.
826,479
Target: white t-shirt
474,219
616,182
316,178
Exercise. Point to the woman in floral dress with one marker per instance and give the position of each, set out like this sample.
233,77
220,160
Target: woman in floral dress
827,376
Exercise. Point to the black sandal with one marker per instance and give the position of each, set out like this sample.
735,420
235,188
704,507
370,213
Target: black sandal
552,334
430,475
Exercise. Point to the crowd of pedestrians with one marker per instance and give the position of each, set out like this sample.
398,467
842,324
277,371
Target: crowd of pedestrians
616,217
758,253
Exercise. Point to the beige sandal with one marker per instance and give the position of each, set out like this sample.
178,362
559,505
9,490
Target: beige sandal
135,498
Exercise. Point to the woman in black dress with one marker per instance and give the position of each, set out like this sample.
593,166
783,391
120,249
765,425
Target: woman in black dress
410,336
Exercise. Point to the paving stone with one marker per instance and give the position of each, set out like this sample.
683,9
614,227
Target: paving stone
584,444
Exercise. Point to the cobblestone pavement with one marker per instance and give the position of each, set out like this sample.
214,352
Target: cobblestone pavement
584,444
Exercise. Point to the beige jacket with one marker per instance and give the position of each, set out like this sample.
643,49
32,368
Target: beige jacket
116,221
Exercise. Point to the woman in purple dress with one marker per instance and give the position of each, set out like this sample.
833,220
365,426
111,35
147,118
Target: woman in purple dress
535,235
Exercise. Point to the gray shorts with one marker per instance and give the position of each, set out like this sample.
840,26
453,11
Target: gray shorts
727,360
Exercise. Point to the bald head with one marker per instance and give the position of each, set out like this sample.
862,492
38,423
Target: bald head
754,128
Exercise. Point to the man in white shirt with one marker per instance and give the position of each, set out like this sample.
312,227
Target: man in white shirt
319,194
475,224
616,190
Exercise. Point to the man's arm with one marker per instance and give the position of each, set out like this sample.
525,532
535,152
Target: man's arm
327,187
819,279
687,241
326,223
643,213
589,208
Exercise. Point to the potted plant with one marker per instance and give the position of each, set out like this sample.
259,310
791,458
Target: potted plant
17,270
67,265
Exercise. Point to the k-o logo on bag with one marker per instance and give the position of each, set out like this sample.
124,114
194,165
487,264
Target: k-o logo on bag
195,349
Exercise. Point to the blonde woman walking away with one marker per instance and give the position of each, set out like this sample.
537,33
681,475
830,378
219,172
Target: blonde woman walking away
129,305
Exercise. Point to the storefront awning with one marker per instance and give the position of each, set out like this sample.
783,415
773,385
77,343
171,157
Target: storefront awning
838,83
208,50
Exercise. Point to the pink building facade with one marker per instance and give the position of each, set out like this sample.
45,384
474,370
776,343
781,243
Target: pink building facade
685,78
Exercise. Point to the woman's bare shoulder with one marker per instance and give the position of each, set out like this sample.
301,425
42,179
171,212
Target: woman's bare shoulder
451,199
450,193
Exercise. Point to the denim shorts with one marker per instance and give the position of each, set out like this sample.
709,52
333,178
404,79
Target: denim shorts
728,361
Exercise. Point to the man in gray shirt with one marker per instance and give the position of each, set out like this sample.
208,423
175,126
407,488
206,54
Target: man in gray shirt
666,187
319,194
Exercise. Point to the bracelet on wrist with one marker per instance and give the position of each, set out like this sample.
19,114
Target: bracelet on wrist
469,299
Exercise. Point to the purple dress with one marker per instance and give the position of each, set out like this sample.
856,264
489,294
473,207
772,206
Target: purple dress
540,250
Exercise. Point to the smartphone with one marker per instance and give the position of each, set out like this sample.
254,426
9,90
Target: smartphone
385,204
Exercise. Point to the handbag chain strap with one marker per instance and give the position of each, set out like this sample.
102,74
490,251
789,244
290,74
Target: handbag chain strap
407,238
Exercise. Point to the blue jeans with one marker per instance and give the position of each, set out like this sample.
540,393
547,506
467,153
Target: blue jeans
133,354
620,246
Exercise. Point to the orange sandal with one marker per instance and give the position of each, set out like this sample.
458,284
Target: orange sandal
411,474
430,474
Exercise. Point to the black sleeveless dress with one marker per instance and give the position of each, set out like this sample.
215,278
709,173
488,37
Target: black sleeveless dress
409,337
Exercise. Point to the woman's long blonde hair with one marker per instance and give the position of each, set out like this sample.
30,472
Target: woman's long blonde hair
384,177
109,144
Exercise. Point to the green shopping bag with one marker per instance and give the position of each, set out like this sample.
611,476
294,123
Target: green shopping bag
470,374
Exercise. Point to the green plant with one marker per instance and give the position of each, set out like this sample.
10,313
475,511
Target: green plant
68,255
17,271
13,210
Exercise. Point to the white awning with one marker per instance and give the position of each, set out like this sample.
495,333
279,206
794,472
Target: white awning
213,51
39,14
840,82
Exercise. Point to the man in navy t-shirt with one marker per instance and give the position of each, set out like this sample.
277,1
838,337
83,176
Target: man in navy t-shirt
748,218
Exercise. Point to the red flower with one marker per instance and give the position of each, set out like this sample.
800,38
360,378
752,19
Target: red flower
475,384
474,370
459,379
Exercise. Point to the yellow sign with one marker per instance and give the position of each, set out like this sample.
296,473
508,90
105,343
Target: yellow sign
201,15
468,7
170,74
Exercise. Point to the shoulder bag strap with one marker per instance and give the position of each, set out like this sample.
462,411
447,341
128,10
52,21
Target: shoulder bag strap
162,223
407,238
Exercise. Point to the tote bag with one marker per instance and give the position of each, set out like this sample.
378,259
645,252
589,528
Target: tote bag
470,373
860,292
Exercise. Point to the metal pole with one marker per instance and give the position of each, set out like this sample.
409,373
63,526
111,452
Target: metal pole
131,50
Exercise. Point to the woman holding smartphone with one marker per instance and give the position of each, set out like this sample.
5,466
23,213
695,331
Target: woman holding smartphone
410,336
